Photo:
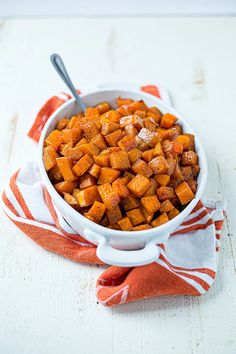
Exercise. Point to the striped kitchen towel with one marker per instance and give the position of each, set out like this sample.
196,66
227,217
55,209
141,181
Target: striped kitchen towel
187,263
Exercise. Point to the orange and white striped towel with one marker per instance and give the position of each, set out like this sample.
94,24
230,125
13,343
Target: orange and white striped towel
188,261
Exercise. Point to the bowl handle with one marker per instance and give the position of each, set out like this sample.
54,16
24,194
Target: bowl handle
122,258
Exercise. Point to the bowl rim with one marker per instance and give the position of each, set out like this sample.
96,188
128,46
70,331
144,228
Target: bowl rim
171,224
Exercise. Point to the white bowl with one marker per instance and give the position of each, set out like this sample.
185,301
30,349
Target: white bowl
121,248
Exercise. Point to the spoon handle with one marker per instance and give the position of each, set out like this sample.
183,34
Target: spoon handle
58,64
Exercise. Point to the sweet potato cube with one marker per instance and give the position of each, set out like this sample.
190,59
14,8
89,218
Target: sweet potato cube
114,214
110,116
83,165
72,201
115,226
136,216
88,196
163,180
74,122
142,227
127,143
139,185
90,130
82,142
155,113
173,213
113,138
123,101
131,130
91,111
54,139
140,113
65,186
149,124
152,189
140,166
119,160
184,140
147,215
55,174
133,120
151,203
134,154
187,172
147,155
166,206
109,127
71,135
87,181
102,160
49,157
184,193
130,203
62,123
65,166
161,219
137,106
189,158
195,170
158,150
109,197
168,120
193,185
95,170
103,107
73,153
99,141
191,145
159,165
90,149
148,137
108,175
96,211
105,221
119,188
164,193
125,224
172,147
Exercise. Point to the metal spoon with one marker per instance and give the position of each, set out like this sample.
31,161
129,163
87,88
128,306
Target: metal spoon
58,64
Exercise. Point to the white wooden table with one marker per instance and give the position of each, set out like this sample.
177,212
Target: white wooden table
47,303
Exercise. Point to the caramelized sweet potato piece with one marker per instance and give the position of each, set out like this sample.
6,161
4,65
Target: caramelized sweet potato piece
149,124
184,140
103,107
54,139
142,227
99,141
49,157
187,172
95,170
65,166
127,143
152,189
131,130
82,142
108,175
172,148
90,149
123,101
189,158
130,203
74,122
72,201
90,130
147,215
96,211
139,185
109,127
134,154
193,185
102,160
151,204
110,116
91,111
147,155
73,153
137,106
114,215
184,193
155,113
191,145
195,169
173,213
87,181
125,224
134,120
55,174
159,165
136,216
168,120
158,150
71,135
163,180
109,197
161,219
148,137
65,187
62,123
88,196
119,188
166,206
113,138
140,166
164,193
83,165
119,160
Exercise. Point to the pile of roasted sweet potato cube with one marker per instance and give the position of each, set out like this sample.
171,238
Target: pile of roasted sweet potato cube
130,168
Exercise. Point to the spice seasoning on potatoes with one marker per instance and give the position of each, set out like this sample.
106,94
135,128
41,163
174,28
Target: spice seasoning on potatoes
130,168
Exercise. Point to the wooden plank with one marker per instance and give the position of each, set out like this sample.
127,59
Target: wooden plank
47,303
